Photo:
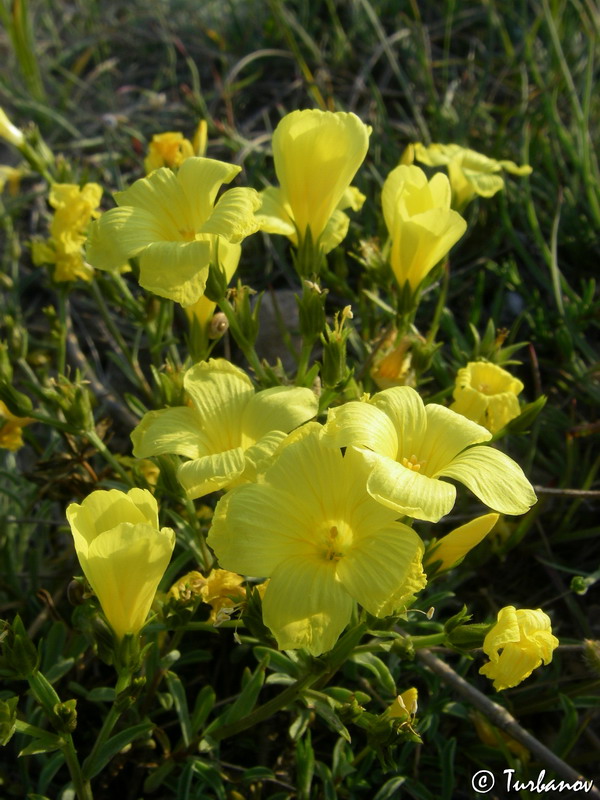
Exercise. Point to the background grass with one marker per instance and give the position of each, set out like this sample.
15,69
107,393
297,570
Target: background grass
513,81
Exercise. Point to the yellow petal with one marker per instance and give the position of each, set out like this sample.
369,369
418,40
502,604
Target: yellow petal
233,216
317,153
176,270
170,430
361,424
122,233
280,408
455,545
124,567
376,570
305,606
254,529
220,392
272,215
200,180
494,478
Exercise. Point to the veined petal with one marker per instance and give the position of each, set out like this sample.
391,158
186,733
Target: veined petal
393,187
408,491
177,270
376,569
448,433
161,195
170,430
200,180
272,215
254,529
125,591
483,184
260,455
422,241
361,424
105,509
122,233
404,408
317,153
306,606
233,216
514,665
494,478
211,472
280,408
220,392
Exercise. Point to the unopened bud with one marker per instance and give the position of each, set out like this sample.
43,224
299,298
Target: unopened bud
218,326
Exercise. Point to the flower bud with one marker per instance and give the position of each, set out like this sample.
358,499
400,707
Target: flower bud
10,132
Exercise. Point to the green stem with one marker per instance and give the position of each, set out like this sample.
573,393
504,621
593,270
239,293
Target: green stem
246,348
82,786
47,697
108,456
109,723
307,348
63,312
116,334
267,709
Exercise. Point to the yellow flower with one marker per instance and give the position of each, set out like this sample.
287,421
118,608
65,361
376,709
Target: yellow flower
122,552
317,154
228,430
420,222
11,428
413,446
312,528
171,223
167,150
10,132
518,643
471,173
75,208
453,547
487,394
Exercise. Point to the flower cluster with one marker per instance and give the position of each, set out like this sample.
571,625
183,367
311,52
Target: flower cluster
75,208
324,510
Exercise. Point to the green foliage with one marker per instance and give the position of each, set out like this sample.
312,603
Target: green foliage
218,712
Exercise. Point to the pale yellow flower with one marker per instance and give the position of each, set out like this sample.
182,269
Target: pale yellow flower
10,132
413,446
317,154
122,552
471,173
172,225
75,208
487,394
454,546
518,643
420,222
227,431
312,528
11,428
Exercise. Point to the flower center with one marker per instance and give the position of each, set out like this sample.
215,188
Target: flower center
412,463
335,541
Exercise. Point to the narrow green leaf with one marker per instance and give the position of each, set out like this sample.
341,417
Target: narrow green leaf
181,706
114,745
